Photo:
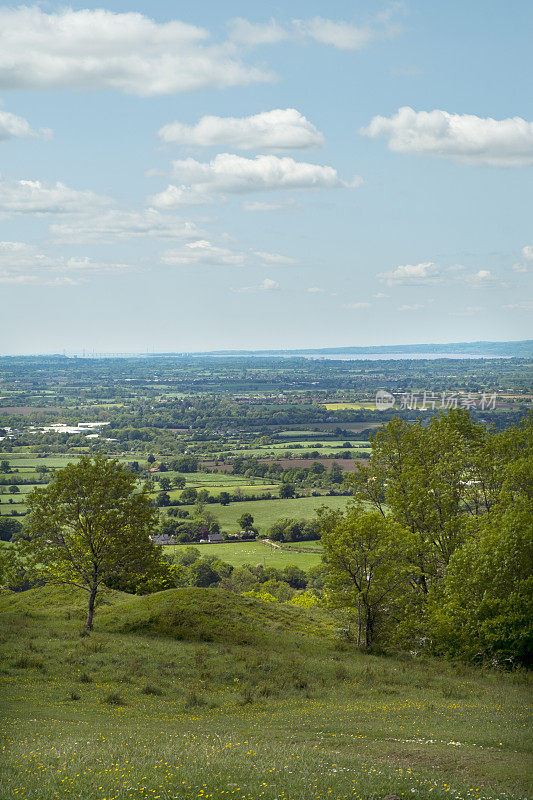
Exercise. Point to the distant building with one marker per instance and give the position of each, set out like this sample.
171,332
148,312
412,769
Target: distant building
163,538
215,537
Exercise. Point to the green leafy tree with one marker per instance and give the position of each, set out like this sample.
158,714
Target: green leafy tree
246,521
90,526
483,610
189,495
9,528
14,490
164,484
368,568
286,491
224,498
434,478
163,499
336,473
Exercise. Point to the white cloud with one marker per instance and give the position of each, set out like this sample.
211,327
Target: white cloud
266,285
356,306
234,174
14,127
342,35
116,225
22,263
527,305
527,264
408,307
483,277
380,295
258,205
464,137
315,290
255,33
469,311
174,196
274,258
100,49
279,129
202,252
411,274
35,197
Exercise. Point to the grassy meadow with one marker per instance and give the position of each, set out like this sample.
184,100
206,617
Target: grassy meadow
239,553
266,512
195,693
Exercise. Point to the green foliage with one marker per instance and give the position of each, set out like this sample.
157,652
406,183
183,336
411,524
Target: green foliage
9,528
90,526
294,530
432,478
246,521
369,567
484,608
286,491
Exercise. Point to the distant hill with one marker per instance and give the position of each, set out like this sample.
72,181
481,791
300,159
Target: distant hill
521,349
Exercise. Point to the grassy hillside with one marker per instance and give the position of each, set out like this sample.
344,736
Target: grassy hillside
198,693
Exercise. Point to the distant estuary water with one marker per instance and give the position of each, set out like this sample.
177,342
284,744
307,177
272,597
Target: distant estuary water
361,356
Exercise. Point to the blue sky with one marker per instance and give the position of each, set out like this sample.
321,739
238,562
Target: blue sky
364,176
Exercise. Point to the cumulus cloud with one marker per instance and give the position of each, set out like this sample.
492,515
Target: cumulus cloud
527,264
357,306
410,307
340,34
526,305
266,285
411,274
234,174
469,311
463,137
36,197
243,31
279,129
274,258
315,290
483,277
100,49
202,252
14,127
259,205
117,225
22,263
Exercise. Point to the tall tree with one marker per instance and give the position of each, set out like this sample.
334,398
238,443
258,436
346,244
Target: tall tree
368,565
90,526
433,478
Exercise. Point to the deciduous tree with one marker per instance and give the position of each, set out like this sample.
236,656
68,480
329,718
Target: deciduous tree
90,526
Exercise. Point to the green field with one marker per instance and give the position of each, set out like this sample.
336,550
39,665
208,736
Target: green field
196,693
239,553
266,512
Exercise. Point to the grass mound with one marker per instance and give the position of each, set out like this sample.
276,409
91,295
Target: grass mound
197,693
209,615
50,599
